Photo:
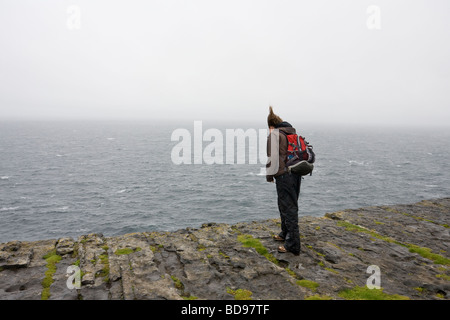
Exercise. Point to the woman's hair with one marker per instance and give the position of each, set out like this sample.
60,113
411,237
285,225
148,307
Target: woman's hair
272,119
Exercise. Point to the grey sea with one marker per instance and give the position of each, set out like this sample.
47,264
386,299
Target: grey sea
69,178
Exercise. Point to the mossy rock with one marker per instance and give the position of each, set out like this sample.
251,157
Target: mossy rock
364,293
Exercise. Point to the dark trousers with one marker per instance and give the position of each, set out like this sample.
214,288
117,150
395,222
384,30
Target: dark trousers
288,190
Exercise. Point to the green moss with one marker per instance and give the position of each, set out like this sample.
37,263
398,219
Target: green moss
316,252
443,276
419,289
52,259
123,251
250,242
332,270
240,294
351,227
430,203
105,270
126,251
416,217
364,293
75,250
193,237
318,297
427,253
290,272
235,230
178,284
104,259
45,294
155,249
308,284
335,245
224,255
423,251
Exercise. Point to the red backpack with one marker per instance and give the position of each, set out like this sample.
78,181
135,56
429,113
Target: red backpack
300,155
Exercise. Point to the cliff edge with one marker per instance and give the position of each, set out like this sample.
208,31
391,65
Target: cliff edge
404,249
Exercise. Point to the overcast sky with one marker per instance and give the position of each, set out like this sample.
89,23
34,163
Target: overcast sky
325,61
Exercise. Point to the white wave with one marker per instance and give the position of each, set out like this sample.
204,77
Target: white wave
357,163
9,208
4,178
110,139
122,191
59,155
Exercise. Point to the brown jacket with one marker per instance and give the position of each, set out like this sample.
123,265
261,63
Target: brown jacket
282,150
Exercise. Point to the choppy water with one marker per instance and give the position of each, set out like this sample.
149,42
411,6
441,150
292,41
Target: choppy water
61,179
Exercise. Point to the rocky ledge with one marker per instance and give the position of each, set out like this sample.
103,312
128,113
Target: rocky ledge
402,248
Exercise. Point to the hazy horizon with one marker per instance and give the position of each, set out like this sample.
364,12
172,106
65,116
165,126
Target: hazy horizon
332,62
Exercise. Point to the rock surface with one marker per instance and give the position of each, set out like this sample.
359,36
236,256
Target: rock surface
409,243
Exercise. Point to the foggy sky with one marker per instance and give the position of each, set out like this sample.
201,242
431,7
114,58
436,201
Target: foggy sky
314,61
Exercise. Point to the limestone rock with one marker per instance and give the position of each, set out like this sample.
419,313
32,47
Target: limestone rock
64,246
409,243
14,254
